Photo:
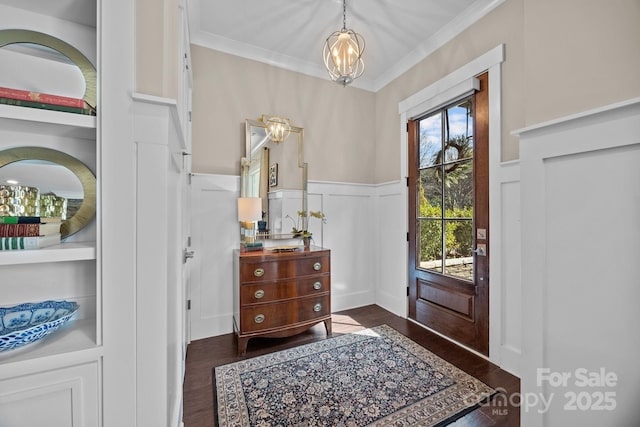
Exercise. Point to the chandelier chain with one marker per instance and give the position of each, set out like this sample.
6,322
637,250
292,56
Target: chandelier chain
344,14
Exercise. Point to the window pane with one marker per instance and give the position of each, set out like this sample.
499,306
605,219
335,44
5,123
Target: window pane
459,240
430,140
430,245
458,189
430,196
459,132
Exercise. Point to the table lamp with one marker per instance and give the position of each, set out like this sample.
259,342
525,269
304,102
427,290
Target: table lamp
249,211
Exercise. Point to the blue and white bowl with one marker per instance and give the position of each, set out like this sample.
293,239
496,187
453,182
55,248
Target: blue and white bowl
25,323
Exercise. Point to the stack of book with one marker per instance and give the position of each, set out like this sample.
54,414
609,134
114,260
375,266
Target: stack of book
25,98
28,232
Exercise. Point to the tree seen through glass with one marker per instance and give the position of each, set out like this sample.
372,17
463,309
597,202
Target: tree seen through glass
445,191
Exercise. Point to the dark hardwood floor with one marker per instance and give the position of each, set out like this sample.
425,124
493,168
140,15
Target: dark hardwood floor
203,355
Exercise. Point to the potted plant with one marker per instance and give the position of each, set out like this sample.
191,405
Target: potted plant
300,227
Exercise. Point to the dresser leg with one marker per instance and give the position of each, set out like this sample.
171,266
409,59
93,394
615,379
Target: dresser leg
242,345
327,326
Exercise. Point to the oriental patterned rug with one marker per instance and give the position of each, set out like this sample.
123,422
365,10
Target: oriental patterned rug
376,377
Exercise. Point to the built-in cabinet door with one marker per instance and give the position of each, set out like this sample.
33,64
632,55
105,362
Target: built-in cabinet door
62,397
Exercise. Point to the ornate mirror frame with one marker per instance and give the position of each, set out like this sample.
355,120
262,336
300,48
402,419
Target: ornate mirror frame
297,133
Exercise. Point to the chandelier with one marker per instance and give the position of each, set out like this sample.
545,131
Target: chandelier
278,128
342,53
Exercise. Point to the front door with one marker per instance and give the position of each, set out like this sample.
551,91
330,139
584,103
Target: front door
449,220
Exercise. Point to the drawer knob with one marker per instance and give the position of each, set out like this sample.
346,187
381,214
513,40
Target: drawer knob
317,307
317,286
259,318
258,272
317,266
258,294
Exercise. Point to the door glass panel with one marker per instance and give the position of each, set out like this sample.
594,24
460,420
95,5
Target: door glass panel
445,193
458,189
458,255
430,198
430,245
430,140
458,125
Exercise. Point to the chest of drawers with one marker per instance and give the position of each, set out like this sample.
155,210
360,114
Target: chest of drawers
280,294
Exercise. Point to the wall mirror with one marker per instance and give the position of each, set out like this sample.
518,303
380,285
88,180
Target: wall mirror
277,173
54,171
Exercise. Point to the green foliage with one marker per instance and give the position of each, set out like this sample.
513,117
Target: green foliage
458,234
299,228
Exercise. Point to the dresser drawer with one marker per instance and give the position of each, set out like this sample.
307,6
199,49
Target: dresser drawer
269,316
283,269
257,293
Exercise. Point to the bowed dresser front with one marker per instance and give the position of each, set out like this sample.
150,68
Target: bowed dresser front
280,294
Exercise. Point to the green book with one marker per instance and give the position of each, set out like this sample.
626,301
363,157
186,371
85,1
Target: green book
19,220
26,243
43,106
29,219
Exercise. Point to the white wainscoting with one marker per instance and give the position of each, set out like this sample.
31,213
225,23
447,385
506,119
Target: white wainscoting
580,245
505,301
350,232
366,232
215,233
391,253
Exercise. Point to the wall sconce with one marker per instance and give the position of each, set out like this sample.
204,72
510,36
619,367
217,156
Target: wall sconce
249,211
278,128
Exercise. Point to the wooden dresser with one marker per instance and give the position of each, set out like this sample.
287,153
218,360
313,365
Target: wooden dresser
280,294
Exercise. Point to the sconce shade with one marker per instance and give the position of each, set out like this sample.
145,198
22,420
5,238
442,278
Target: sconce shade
279,128
249,209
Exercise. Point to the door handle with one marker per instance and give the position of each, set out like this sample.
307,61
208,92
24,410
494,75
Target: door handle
480,250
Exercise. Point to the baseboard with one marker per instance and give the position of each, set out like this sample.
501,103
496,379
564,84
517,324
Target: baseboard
352,300
393,303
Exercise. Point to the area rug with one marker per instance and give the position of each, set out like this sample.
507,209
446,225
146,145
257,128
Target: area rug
376,377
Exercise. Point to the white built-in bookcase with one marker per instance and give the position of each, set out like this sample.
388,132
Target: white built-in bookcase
55,381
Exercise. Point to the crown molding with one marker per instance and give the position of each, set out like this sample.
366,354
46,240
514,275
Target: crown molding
244,50
470,16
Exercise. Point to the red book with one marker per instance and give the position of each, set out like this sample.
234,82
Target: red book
45,98
29,229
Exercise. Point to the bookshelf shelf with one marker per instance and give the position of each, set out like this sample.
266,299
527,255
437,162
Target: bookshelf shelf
47,122
58,253
78,335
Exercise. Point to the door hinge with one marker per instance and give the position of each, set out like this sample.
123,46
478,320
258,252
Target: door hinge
407,236
407,181
186,255
188,241
407,127
407,291
188,304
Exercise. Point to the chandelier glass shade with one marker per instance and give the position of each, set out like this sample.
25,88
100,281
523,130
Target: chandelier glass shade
342,53
278,128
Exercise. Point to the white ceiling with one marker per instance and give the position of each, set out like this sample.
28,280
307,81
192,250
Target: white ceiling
291,33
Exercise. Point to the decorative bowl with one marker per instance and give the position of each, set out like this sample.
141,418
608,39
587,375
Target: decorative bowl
25,323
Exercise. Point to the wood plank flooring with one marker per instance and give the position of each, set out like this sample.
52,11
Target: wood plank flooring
203,355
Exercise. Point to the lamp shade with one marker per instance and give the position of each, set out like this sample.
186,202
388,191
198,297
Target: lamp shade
249,209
